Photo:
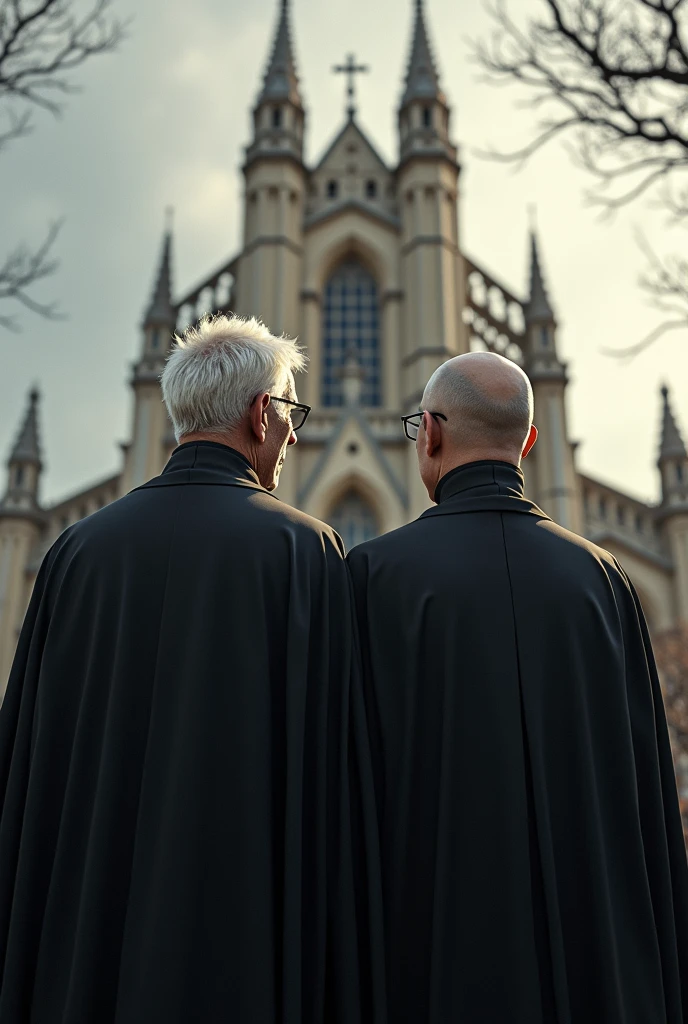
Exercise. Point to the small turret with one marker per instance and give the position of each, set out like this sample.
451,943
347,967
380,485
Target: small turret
540,348
22,524
24,465
424,112
275,182
672,515
160,318
673,459
550,469
148,450
278,117
161,309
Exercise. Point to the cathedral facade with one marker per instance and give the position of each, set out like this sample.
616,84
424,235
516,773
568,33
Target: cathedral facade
364,263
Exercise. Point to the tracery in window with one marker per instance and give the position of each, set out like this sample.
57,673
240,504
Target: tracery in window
351,322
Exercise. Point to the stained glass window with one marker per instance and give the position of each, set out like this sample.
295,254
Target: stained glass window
351,320
354,520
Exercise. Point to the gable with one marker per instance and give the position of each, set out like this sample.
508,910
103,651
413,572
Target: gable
351,170
353,460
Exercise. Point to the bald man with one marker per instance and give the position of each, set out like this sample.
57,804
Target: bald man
534,866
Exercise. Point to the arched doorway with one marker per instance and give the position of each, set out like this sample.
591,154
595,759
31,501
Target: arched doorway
351,321
354,519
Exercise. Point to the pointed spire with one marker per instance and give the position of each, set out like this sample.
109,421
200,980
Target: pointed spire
671,445
161,309
281,81
422,77
27,447
538,306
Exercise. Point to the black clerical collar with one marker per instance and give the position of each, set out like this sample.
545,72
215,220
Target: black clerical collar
207,462
212,444
481,478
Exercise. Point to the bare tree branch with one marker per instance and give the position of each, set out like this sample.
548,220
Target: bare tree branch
21,270
666,283
610,78
42,42
614,73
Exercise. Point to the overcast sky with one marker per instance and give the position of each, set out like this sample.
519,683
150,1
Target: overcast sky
164,121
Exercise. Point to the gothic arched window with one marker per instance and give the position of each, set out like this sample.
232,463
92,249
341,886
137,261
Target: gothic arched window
351,321
353,519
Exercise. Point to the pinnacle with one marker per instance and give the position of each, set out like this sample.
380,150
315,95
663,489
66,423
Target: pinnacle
538,306
161,309
280,80
27,447
422,78
671,445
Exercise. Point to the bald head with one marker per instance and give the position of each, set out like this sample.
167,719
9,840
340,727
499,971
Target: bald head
488,402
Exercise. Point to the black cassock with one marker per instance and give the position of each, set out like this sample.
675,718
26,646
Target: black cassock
181,765
534,870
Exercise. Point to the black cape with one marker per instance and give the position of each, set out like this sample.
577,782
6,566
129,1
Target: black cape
181,766
534,870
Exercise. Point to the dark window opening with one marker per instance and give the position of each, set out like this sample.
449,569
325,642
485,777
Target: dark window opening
332,189
19,476
603,508
427,117
276,117
544,337
371,189
155,339
679,473
620,515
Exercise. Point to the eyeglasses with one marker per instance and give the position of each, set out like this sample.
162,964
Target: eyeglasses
412,423
298,412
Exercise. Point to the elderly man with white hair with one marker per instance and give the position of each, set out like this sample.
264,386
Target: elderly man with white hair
183,758
534,869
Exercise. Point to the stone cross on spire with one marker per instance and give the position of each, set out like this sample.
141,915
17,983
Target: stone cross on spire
350,69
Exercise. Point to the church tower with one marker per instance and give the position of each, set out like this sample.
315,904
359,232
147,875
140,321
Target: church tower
428,173
550,468
21,521
673,513
269,274
152,441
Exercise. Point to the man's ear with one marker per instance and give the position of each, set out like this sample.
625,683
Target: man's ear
433,435
530,441
259,416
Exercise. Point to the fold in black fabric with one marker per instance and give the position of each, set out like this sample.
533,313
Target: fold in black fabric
182,762
534,869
